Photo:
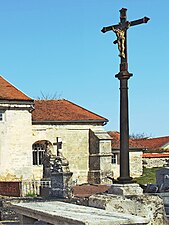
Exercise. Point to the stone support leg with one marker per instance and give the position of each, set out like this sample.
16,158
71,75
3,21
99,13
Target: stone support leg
26,220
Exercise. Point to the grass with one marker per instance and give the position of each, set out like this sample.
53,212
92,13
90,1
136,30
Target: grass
148,177
31,195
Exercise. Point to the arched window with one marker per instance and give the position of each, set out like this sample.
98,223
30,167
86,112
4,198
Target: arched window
38,150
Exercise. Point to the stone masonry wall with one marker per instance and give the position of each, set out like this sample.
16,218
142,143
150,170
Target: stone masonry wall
148,206
15,144
99,157
75,147
136,165
155,162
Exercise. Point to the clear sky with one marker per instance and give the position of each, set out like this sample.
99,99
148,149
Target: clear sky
56,47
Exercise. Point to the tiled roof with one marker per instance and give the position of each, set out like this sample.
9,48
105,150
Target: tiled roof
151,144
11,93
155,155
63,111
116,141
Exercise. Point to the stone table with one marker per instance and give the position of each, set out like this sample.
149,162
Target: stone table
56,212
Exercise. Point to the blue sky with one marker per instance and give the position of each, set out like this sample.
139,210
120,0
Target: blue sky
56,47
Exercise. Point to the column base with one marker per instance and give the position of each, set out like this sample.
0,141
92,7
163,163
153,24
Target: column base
124,180
125,189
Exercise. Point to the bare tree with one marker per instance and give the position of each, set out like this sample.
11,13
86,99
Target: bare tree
49,96
138,136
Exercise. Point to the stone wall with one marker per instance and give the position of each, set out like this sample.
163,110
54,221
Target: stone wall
155,162
75,147
136,164
147,206
15,142
99,157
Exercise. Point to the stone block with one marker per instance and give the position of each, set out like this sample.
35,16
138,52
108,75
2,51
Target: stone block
60,213
94,162
125,189
148,206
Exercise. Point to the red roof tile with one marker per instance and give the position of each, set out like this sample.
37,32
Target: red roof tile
11,93
155,155
152,144
116,141
62,110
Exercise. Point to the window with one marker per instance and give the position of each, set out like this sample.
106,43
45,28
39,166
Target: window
1,116
114,158
38,152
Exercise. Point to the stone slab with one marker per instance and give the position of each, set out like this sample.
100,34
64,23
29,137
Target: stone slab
56,212
125,189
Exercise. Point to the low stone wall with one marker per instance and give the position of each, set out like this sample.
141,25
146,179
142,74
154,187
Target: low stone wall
155,162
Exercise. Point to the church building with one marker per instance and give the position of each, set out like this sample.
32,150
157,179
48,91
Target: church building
30,127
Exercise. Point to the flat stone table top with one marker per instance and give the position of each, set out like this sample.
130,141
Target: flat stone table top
56,212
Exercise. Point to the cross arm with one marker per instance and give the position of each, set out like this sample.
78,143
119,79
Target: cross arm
126,24
105,29
139,21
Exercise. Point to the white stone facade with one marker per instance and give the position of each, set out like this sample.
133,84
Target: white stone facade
17,136
136,164
87,147
15,141
75,147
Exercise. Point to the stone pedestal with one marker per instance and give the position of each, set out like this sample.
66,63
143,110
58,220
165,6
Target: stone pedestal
61,185
61,179
125,189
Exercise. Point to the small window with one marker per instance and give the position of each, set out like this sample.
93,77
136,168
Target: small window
114,158
38,152
1,116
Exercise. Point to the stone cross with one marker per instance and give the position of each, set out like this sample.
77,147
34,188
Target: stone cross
121,33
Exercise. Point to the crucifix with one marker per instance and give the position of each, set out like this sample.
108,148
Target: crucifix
121,33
